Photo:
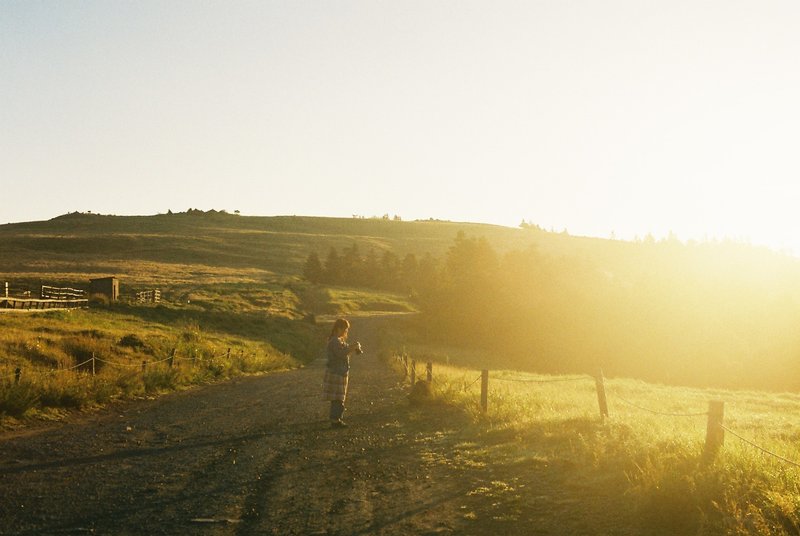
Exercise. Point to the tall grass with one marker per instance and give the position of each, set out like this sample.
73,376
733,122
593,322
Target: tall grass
78,359
656,461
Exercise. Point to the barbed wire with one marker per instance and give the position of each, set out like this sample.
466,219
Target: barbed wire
664,414
473,383
521,380
762,449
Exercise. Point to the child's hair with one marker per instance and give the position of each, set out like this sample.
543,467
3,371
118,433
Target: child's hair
340,325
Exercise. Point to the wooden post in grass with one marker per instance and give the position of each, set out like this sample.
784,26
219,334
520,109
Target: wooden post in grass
17,374
715,434
144,366
171,360
601,394
94,371
485,390
228,355
413,372
429,368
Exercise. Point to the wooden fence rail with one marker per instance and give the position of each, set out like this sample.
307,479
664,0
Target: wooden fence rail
61,293
49,298
28,304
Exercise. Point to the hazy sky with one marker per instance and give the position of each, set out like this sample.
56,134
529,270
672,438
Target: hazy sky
595,116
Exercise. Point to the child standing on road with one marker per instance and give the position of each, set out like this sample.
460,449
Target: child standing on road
337,370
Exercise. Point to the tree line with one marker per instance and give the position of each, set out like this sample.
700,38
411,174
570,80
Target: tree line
384,271
716,314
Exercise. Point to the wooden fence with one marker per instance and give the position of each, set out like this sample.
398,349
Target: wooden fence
148,296
715,426
50,298
61,293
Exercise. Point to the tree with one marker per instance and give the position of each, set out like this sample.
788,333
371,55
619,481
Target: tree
408,272
352,265
333,267
313,271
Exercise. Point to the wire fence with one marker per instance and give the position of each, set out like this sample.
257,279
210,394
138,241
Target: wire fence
554,380
143,365
661,413
715,427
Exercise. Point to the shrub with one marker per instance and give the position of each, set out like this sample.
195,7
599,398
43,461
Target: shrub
131,341
36,351
99,300
159,379
63,392
82,349
17,398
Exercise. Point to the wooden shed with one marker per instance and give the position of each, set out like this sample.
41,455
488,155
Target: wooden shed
107,286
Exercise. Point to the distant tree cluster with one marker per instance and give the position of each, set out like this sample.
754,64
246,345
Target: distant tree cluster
384,271
199,212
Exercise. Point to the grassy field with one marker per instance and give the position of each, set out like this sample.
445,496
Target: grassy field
650,452
226,282
233,282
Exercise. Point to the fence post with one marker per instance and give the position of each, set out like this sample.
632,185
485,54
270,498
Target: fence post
144,366
413,371
228,354
715,434
93,369
429,368
6,289
601,394
17,374
171,358
485,390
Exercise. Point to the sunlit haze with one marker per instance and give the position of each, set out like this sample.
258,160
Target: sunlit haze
604,118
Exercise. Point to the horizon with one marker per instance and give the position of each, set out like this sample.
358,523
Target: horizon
394,218
604,119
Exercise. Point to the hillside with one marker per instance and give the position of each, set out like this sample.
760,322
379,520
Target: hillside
699,314
92,243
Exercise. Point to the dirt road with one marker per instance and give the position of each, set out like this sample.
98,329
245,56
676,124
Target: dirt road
256,456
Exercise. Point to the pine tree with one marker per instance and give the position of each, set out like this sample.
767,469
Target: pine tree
313,268
333,267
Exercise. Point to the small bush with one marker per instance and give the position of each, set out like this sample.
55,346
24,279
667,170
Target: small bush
36,351
99,300
132,341
64,392
192,334
159,379
17,398
82,349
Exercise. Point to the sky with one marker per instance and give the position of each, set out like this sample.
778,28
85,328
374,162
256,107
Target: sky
604,118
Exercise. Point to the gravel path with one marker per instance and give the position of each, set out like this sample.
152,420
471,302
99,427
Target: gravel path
256,456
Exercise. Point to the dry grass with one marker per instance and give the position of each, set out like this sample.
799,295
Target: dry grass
78,359
656,461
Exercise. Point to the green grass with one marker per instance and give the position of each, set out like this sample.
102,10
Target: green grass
655,463
52,349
